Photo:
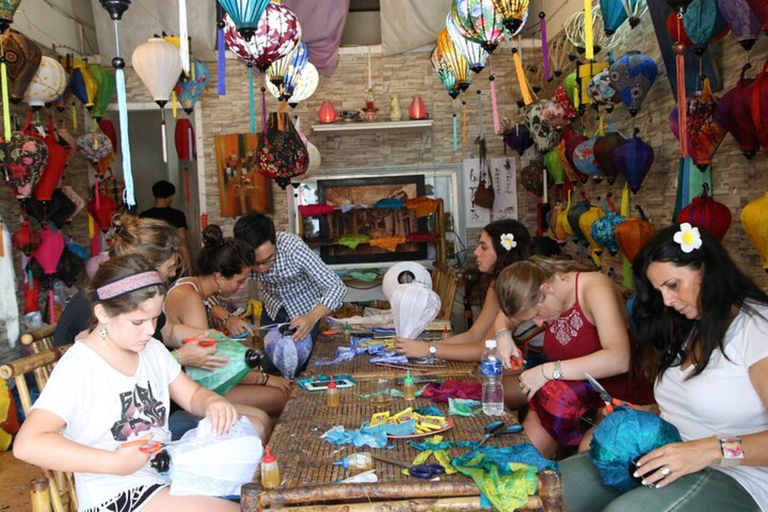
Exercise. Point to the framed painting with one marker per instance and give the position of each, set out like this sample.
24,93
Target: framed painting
374,222
242,189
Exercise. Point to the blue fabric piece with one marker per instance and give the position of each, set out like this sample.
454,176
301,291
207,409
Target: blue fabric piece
429,410
342,354
375,437
390,357
445,445
524,453
389,203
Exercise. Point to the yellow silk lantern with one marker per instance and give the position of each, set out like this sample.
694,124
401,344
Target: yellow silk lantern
586,220
754,218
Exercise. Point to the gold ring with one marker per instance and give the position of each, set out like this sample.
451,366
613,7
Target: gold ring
665,471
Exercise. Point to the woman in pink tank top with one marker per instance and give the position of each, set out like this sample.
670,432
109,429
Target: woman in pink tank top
586,333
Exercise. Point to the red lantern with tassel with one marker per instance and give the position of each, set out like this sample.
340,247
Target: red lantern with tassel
185,140
26,239
733,112
102,211
48,254
705,212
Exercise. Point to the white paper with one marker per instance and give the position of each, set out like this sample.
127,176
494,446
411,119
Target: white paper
504,174
476,217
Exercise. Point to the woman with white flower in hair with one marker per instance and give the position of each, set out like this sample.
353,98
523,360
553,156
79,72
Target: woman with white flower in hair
702,333
585,331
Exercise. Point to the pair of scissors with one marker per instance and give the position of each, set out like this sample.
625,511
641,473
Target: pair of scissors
147,445
499,428
427,470
202,339
610,402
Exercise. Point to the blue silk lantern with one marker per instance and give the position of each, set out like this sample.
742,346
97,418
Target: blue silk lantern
615,13
189,88
634,159
604,229
287,355
518,138
632,76
585,161
743,22
478,21
245,14
702,21
297,65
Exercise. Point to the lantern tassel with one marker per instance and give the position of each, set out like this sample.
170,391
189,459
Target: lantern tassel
125,146
74,116
96,194
521,79
163,138
51,302
545,194
494,107
455,132
253,100
588,38
173,104
221,70
682,104
545,47
464,123
6,101
625,265
95,245
183,38
30,279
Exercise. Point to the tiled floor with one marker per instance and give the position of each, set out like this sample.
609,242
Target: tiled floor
14,483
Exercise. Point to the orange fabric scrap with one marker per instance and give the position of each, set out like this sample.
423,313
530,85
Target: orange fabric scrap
422,205
388,243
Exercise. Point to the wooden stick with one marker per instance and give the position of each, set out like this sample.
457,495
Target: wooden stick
399,367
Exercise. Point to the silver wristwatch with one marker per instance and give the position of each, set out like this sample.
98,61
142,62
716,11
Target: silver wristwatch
432,348
557,371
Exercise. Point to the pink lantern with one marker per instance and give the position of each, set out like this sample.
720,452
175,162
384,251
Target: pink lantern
48,255
327,114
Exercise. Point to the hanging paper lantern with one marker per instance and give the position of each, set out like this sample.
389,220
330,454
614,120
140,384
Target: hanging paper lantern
84,86
760,10
634,159
544,136
22,161
49,251
295,78
734,113
513,13
742,20
22,59
632,76
518,138
478,21
554,165
754,220
189,88
601,91
555,115
185,140
49,83
444,73
704,131
705,212
297,88
585,161
758,92
474,53
103,212
7,10
278,33
633,234
245,14
279,69
107,128
604,148
604,229
704,24
532,178
571,142
105,90
615,13
287,355
26,239
158,65
450,55
315,160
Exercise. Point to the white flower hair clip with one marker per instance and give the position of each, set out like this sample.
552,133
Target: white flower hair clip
508,241
688,237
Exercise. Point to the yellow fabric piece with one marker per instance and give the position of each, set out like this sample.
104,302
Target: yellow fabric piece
388,243
444,460
422,205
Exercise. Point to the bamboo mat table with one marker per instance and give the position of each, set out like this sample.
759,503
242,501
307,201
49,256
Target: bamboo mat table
310,482
362,369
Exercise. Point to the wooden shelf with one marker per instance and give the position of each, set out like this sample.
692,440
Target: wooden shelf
421,124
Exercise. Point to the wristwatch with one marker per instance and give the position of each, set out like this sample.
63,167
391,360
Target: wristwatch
732,450
432,348
557,371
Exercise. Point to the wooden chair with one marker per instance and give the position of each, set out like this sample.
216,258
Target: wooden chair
40,364
445,280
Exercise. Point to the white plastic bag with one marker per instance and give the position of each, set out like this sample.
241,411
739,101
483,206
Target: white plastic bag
208,464
414,307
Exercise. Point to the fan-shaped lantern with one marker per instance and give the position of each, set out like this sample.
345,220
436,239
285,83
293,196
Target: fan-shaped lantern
704,24
679,6
513,13
705,132
7,10
743,22
760,9
754,220
245,14
474,53
158,64
189,88
604,148
84,86
414,307
585,161
532,178
601,91
734,112
554,165
478,21
49,83
544,136
281,67
26,239
278,33
634,159
705,212
450,55
22,161
633,234
518,138
105,90
444,73
632,76
22,59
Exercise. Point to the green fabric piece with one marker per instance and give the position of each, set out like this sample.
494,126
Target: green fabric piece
352,240
361,275
463,407
506,492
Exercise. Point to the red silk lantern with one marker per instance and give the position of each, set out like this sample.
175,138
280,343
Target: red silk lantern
633,234
733,112
31,296
417,110
26,239
758,91
705,212
108,129
57,161
102,214
185,139
704,132
760,8
327,114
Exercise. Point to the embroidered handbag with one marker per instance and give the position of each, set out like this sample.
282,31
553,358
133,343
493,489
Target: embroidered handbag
281,154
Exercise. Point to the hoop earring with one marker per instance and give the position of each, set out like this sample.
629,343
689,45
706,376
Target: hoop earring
103,332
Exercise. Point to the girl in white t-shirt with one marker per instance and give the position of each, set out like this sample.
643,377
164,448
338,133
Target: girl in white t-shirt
704,325
112,387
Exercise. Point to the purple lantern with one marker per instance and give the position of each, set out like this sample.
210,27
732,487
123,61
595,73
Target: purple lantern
632,76
634,159
742,20
518,138
733,111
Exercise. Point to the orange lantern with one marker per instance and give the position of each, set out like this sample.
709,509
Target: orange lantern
326,114
634,233
754,219
417,110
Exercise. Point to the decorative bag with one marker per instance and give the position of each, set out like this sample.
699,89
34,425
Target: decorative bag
281,154
484,194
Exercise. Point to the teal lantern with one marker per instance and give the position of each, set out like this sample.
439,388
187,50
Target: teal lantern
245,14
615,13
189,88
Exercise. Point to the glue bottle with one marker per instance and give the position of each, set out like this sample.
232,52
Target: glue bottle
446,332
360,461
409,387
270,473
346,332
332,395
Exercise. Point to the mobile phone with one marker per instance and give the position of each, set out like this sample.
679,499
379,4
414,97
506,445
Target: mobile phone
320,386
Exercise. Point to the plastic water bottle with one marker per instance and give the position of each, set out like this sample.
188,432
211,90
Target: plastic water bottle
493,391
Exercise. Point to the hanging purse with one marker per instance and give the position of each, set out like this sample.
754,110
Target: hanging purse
281,154
484,194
